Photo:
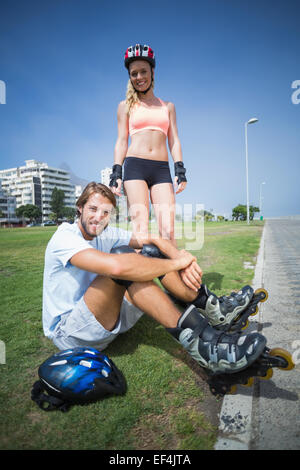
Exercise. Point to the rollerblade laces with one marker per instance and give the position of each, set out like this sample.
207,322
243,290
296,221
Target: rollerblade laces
262,368
222,311
215,350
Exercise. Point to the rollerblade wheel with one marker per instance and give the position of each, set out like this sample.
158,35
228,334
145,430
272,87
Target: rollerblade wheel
262,293
256,311
283,354
249,382
267,375
245,325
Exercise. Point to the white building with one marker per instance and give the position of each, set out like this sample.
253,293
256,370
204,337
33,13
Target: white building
34,183
78,191
7,206
105,175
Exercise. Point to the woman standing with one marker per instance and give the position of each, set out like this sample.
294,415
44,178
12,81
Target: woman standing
149,122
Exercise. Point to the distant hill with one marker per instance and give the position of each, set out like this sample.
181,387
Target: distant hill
74,178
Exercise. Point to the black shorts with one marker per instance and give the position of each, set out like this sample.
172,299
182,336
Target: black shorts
151,171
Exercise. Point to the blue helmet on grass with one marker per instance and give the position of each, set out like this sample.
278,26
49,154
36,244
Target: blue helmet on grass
76,376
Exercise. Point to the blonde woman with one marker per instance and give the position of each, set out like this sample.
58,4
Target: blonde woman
149,122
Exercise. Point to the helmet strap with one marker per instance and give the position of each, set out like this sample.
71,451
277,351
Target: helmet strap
47,402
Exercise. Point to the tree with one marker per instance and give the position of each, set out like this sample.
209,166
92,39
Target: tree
57,203
208,216
239,212
29,211
117,213
69,213
252,211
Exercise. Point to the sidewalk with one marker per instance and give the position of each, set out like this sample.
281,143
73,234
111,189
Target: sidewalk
267,416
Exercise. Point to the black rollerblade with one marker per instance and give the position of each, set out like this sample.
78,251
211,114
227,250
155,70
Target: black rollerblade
217,351
227,313
223,311
241,322
262,368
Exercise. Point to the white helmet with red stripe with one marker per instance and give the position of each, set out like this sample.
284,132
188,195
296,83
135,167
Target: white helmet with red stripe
139,52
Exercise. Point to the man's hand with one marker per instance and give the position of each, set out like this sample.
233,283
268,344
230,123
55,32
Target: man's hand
191,273
192,276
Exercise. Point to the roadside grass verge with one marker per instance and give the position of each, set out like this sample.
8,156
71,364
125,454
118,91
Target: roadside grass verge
165,405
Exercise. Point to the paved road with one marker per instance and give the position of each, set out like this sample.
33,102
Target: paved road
267,416
275,407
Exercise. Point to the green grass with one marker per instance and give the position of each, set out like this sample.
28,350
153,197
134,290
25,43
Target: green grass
161,409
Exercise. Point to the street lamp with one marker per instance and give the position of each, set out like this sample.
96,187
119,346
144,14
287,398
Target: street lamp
260,197
251,121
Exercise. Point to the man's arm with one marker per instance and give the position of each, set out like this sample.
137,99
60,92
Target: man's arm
191,275
131,266
165,246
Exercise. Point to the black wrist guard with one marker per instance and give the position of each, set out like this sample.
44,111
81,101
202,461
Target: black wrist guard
180,172
116,174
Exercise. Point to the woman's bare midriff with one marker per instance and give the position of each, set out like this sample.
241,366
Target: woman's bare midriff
148,144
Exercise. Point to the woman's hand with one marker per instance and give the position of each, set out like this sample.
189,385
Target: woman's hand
179,187
117,189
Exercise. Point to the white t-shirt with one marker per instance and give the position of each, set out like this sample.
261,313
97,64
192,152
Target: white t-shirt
64,284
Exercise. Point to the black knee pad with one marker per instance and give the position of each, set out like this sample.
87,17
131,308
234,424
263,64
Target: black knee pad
118,251
122,249
152,251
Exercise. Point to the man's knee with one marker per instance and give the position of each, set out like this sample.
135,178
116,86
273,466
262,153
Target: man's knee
118,251
152,251
122,249
148,250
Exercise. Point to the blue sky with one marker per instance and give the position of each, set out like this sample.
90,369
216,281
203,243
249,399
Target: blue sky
221,62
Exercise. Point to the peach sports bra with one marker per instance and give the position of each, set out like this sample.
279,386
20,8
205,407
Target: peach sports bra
153,118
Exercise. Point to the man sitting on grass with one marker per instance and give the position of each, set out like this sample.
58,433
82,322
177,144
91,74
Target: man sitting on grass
97,286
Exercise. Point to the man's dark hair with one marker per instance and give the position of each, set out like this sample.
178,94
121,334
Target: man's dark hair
93,188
